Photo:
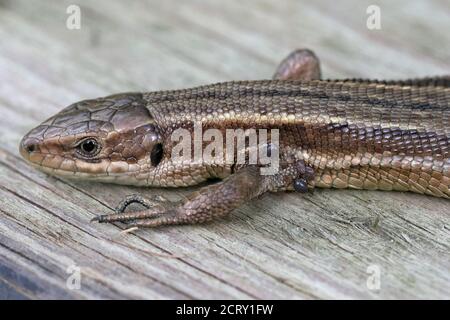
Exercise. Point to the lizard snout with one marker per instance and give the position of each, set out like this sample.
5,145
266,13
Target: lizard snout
28,146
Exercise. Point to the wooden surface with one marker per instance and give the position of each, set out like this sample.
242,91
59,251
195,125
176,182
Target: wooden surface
287,245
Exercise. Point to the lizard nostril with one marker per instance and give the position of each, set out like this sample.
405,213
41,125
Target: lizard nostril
31,148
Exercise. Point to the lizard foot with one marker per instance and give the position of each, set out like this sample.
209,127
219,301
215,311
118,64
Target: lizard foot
203,205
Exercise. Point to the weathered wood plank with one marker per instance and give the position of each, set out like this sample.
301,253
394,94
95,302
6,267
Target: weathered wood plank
280,246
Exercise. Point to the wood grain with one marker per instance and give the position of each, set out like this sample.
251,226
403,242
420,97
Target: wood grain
283,245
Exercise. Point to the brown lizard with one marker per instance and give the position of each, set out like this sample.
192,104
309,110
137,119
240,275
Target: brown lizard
363,134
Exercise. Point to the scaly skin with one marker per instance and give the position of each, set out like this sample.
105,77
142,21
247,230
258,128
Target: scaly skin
363,134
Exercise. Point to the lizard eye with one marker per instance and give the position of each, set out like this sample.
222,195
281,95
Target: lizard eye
156,154
88,148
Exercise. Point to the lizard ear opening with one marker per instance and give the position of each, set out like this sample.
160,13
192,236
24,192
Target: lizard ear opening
156,154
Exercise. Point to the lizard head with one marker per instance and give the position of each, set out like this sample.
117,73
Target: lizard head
111,139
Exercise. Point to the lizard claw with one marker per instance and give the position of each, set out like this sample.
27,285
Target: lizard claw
99,218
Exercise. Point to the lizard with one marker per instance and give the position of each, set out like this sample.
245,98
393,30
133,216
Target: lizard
351,133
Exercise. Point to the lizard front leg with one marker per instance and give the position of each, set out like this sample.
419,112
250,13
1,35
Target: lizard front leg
209,202
216,200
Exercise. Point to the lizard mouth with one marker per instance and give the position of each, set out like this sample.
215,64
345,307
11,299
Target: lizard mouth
103,170
59,164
